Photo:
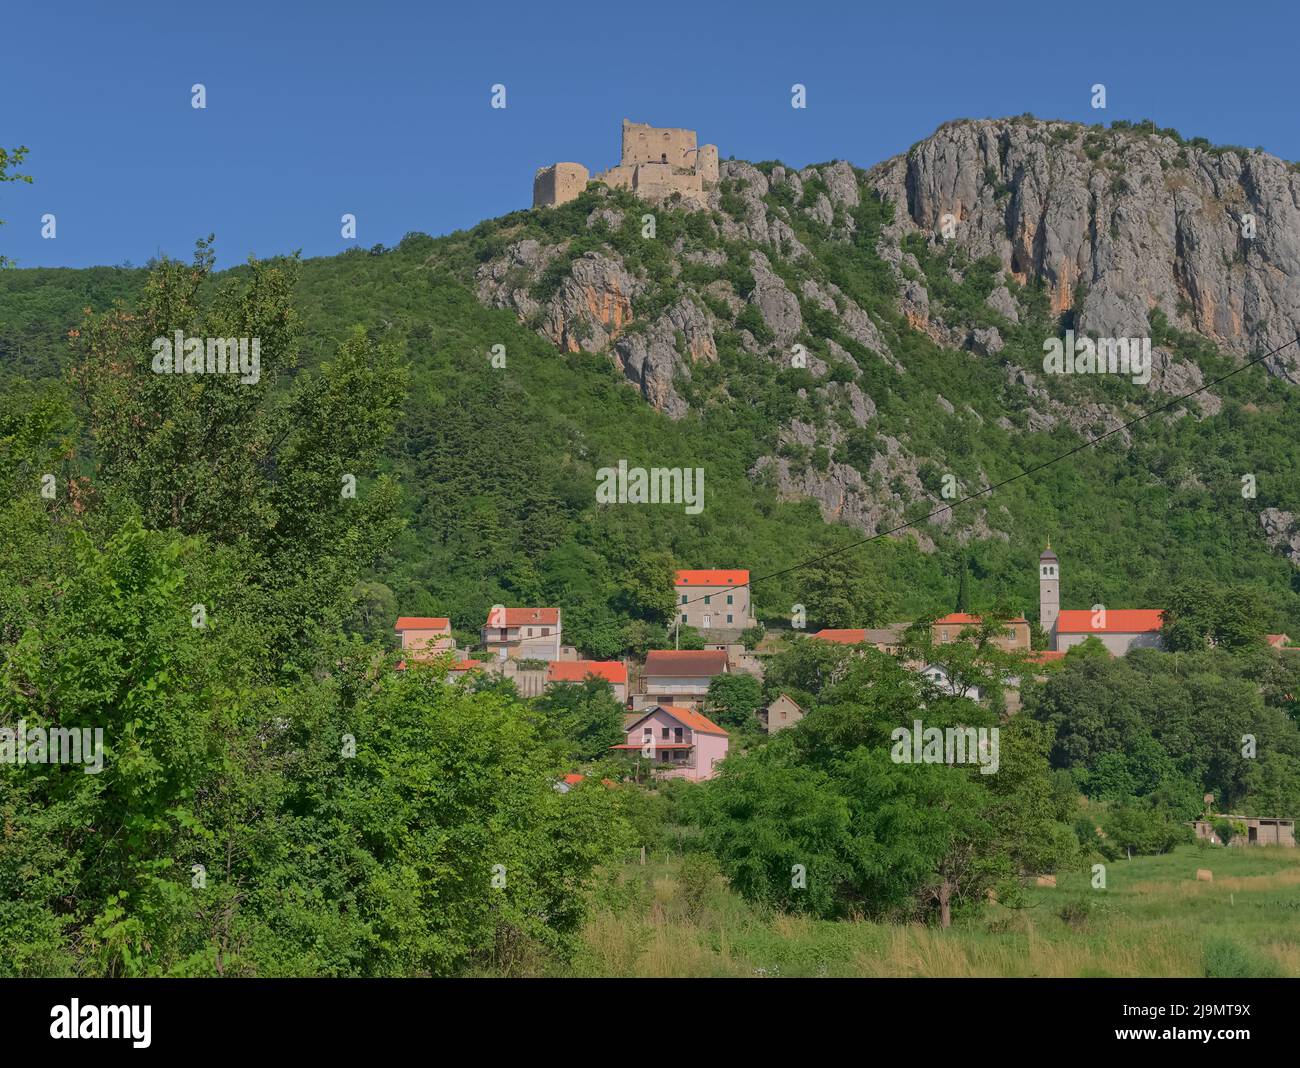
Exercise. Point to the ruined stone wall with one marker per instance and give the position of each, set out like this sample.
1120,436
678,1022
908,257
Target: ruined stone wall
658,144
657,181
559,183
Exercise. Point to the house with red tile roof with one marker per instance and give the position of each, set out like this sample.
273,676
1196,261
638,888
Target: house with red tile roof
958,626
886,639
713,598
521,633
612,671
424,636
680,743
678,677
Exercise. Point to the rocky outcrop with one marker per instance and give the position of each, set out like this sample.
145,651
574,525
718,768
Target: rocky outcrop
1282,532
1131,221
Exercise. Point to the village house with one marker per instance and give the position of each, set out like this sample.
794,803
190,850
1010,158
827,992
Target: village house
957,626
522,633
424,636
713,599
612,671
781,713
1259,830
679,742
678,677
886,639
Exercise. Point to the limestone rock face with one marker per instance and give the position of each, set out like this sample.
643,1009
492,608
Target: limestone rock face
1146,224
778,306
1282,532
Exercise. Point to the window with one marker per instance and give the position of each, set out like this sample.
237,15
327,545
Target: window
683,598
706,598
728,598
647,734
546,631
677,734
664,733
683,617
728,618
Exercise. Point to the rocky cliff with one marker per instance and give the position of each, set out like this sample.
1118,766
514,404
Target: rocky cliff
921,291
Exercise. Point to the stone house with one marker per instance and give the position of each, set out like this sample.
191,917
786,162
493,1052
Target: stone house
886,639
713,598
522,634
781,713
958,626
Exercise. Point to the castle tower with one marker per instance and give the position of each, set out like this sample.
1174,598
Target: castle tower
706,163
1049,591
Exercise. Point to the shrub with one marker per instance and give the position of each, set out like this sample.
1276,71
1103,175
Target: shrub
1225,959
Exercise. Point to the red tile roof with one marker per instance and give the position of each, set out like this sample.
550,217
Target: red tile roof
1118,621
613,671
965,619
1045,656
686,717
844,636
573,778
713,577
422,623
526,617
466,665
685,662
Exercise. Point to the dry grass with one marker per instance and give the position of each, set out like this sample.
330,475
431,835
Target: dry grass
1153,920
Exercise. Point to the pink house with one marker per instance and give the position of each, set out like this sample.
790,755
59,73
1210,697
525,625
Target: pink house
680,742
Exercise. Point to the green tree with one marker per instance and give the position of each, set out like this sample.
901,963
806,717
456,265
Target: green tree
583,718
733,699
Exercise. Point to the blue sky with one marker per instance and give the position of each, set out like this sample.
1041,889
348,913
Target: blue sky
382,109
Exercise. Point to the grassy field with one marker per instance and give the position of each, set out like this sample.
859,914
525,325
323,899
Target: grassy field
1153,919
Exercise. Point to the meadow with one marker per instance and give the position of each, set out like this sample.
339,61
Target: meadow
675,917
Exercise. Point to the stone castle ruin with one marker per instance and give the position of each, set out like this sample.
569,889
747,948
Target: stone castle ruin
656,163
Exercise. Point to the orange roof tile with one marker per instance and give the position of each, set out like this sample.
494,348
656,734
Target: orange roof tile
613,671
1118,621
844,636
525,617
422,623
713,577
686,717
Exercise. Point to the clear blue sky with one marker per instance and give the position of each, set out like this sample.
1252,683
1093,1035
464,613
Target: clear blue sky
381,108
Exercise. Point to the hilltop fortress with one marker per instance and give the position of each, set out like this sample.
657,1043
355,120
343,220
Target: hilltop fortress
656,163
